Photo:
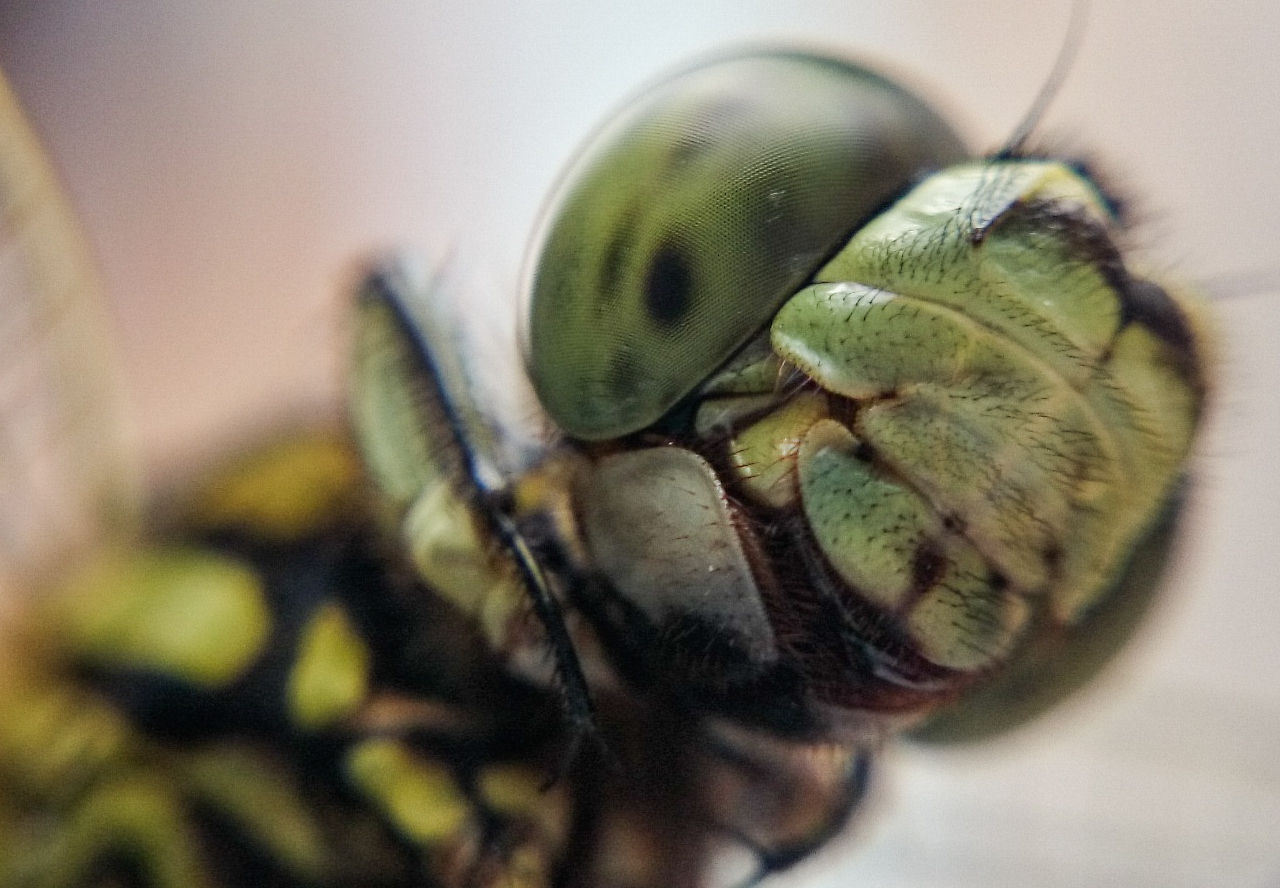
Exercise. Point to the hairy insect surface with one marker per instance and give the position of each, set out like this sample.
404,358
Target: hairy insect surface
846,433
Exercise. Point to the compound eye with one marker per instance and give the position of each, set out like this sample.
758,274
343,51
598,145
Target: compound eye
700,208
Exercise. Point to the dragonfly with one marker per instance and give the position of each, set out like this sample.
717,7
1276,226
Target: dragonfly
820,459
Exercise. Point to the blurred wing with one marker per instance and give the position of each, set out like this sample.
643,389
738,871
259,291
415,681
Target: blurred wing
65,477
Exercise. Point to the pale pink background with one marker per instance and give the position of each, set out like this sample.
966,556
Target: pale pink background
233,159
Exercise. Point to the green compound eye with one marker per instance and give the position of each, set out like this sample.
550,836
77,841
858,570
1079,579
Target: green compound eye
696,212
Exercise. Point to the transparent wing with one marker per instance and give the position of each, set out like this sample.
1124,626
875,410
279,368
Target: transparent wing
65,477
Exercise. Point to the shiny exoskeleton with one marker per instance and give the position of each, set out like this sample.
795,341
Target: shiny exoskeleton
844,434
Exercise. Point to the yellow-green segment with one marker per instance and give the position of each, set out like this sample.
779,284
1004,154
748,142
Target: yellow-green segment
419,796
330,677
186,613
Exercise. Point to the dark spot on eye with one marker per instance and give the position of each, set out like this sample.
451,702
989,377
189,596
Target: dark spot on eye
613,262
715,124
953,523
864,452
998,581
668,286
687,146
623,369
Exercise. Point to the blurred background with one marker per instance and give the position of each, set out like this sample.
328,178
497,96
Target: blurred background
233,161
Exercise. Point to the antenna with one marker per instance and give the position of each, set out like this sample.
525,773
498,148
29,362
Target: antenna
1057,76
